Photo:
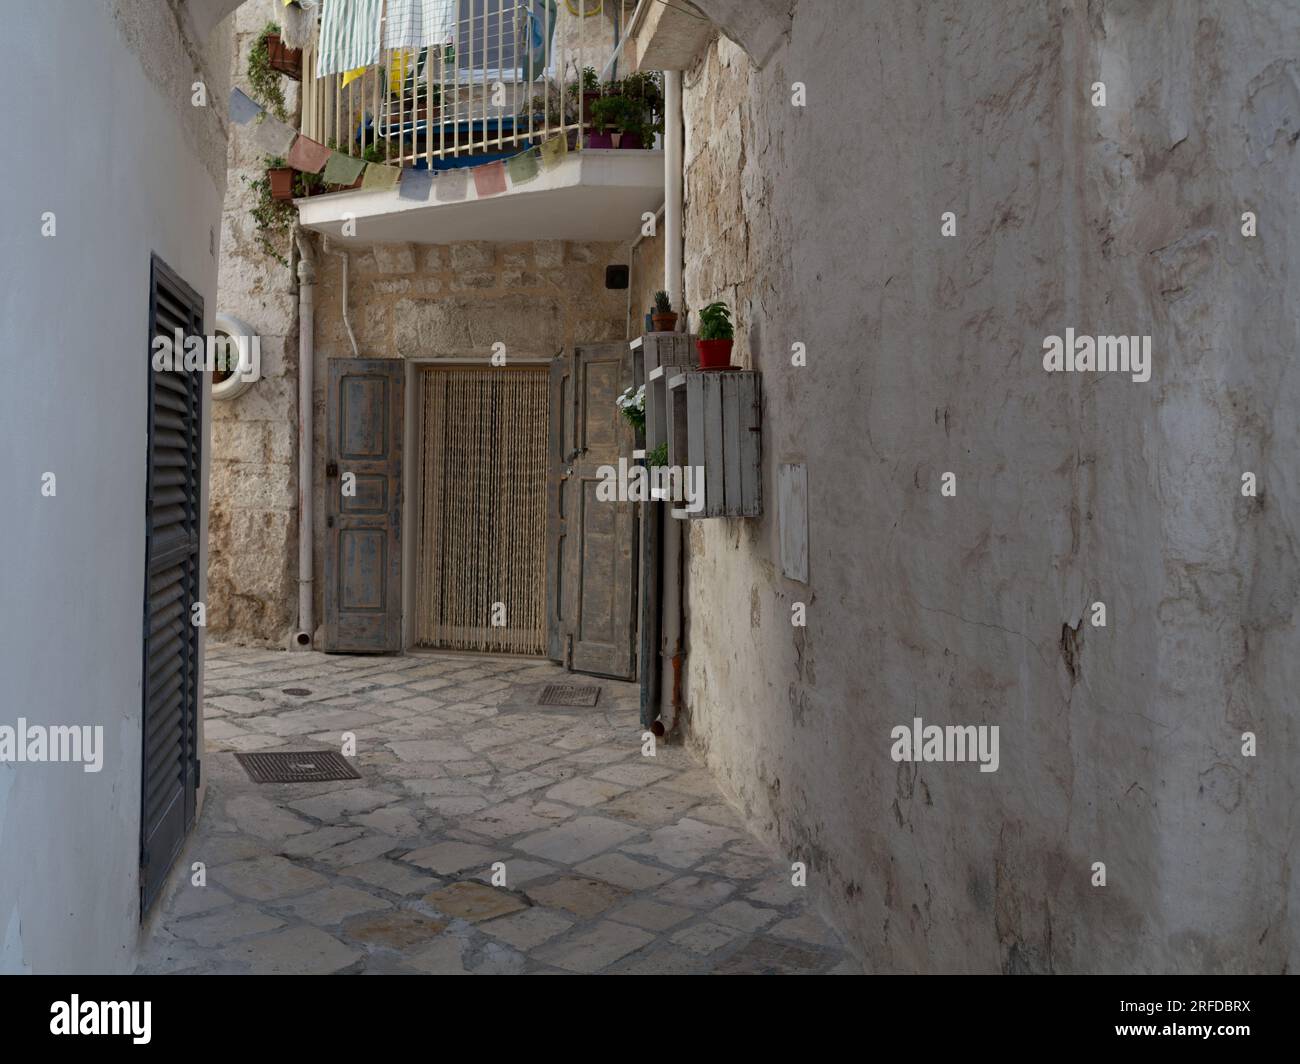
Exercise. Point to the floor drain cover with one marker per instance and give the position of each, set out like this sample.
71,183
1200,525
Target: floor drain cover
296,691
568,694
306,766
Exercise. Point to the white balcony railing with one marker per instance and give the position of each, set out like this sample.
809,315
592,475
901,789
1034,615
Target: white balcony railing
509,76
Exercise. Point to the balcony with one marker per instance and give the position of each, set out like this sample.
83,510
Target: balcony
510,76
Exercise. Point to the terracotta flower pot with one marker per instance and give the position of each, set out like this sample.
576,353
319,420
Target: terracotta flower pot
287,61
664,322
714,354
281,182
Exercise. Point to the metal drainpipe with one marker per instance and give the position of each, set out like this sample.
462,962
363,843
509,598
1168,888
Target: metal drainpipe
306,496
673,597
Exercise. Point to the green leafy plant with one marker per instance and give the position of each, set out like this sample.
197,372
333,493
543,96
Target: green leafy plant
658,457
376,152
663,305
272,219
264,81
715,322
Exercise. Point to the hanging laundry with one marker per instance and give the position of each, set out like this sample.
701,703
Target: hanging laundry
349,35
420,23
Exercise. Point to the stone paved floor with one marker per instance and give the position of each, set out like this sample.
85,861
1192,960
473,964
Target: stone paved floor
613,861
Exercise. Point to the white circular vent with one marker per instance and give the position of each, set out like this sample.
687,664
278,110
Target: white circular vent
231,385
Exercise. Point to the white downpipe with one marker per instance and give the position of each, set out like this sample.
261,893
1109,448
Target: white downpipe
673,187
347,324
302,639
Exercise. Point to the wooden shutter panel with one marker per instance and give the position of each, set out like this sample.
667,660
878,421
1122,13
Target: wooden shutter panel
171,641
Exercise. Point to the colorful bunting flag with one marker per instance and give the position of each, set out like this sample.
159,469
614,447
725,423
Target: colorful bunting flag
343,169
243,109
490,179
553,151
451,185
308,155
380,177
416,184
522,168
273,136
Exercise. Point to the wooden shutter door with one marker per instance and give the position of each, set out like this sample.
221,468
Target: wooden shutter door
171,641
363,555
593,542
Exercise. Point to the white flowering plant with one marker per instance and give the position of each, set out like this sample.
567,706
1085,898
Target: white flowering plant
631,405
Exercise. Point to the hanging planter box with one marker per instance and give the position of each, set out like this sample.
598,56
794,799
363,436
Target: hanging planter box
281,179
288,61
714,423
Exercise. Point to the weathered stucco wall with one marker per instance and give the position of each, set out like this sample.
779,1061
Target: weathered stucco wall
130,168
253,524
455,301
1119,744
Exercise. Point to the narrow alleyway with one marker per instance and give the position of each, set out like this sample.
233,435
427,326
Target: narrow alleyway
614,862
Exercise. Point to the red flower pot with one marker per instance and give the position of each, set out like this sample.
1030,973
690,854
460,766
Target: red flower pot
287,61
281,182
600,140
714,354
631,140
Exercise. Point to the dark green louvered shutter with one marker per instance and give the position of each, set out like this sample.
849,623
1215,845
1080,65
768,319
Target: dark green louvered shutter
171,641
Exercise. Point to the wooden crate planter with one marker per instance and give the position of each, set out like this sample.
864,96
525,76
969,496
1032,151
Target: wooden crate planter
657,357
713,419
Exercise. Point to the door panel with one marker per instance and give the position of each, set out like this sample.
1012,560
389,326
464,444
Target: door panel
171,642
363,557
560,455
595,541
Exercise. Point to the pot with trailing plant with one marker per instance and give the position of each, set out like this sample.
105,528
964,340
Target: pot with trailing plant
280,175
631,404
663,317
717,335
263,78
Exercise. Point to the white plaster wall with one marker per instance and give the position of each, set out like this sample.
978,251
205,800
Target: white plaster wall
119,155
1120,744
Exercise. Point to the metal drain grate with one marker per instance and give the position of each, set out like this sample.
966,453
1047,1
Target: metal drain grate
568,694
304,766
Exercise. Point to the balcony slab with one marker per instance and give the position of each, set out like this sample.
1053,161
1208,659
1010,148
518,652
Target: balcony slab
593,195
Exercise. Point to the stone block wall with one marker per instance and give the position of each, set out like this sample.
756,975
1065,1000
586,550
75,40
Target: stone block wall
253,526
454,302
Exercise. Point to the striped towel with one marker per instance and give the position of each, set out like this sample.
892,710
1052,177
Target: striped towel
349,35
420,23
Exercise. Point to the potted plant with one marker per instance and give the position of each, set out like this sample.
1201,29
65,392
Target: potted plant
641,99
263,78
663,317
280,175
716,337
603,115
273,218
288,61
631,405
